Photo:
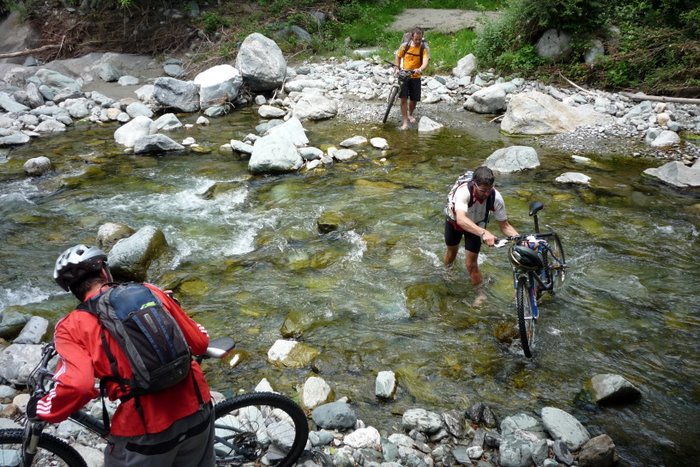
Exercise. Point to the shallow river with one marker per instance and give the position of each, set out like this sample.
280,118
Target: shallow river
246,254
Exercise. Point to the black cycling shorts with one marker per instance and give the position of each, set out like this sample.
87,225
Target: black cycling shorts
411,89
453,235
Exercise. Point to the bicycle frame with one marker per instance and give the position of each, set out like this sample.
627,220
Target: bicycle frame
40,376
537,261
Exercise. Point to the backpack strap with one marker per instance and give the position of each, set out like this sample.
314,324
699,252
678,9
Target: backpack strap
89,307
407,45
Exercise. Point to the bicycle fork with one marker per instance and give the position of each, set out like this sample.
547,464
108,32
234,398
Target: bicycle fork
32,434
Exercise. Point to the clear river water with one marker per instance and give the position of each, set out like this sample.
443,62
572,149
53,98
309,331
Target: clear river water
246,255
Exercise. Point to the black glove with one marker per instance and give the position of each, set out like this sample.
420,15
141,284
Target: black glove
31,408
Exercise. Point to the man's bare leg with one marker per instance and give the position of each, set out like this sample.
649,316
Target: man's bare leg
411,109
472,264
404,113
451,255
471,261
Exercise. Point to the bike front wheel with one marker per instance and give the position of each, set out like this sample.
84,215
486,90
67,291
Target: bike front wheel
260,428
51,451
392,98
555,262
526,321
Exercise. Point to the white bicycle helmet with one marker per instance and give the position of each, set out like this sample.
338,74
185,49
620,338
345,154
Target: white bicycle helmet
76,263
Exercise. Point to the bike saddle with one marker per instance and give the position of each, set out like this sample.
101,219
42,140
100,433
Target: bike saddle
535,207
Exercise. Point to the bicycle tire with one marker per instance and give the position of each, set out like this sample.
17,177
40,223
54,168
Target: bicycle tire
392,98
526,322
555,262
242,420
52,451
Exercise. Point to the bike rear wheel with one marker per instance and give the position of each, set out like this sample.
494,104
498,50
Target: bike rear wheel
555,262
526,320
260,428
51,451
392,98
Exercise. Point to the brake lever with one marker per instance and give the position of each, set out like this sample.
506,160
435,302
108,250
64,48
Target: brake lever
500,243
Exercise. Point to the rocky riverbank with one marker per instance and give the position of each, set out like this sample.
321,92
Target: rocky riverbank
472,435
355,90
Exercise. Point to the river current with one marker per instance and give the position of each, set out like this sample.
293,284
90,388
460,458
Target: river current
246,254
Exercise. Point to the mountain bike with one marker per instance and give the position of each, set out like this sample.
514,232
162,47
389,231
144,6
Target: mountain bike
539,265
259,428
401,78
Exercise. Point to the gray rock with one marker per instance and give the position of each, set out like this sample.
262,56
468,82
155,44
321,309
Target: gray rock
13,139
50,126
11,323
562,452
613,389
274,153
37,166
174,94
385,385
218,85
354,141
131,257
421,420
344,154
17,361
573,177
156,144
128,80
128,134
110,233
466,66
563,426
165,122
334,416
553,44
598,452
513,159
489,100
261,63
137,109
107,72
33,331
9,104
426,125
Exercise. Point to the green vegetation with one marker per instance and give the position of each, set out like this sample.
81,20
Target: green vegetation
650,45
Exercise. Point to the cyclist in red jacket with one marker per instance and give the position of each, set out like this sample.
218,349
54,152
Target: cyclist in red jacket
173,426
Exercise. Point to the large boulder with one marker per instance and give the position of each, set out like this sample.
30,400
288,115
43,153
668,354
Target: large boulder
554,45
314,106
466,66
261,63
274,153
156,144
535,113
677,174
175,94
609,388
129,133
17,361
513,159
489,100
218,85
131,257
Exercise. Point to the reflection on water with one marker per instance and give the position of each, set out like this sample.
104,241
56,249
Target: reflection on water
246,253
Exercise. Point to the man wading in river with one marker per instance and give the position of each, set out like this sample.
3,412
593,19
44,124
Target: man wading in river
470,201
415,55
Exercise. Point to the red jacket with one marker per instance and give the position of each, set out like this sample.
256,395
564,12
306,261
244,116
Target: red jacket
83,359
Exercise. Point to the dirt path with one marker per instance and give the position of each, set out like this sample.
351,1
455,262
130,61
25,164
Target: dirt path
446,21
